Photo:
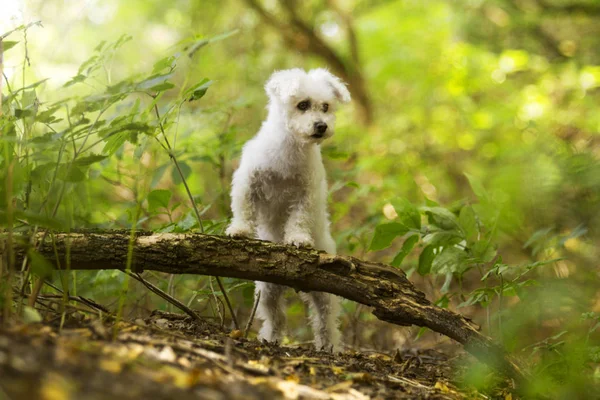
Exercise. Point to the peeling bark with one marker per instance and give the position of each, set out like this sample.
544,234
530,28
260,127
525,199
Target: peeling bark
386,289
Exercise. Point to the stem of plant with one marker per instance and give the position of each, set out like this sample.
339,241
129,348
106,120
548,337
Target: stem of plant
195,208
500,297
128,264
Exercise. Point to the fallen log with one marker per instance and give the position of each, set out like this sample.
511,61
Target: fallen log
386,289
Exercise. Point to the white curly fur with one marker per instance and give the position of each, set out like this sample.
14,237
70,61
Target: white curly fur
279,191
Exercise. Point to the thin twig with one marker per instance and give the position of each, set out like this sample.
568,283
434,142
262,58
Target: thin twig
164,295
170,289
183,180
249,324
233,317
212,289
80,299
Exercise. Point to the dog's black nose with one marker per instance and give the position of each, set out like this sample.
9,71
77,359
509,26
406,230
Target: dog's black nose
320,127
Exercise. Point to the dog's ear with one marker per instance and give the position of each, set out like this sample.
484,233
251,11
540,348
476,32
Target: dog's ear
284,84
339,88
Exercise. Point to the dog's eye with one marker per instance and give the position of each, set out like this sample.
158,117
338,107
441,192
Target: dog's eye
325,107
303,105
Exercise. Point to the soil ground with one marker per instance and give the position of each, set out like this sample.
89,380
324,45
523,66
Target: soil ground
171,356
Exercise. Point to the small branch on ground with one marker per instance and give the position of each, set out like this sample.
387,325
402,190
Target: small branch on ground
165,296
251,319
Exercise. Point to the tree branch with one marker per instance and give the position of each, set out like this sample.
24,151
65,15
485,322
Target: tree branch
303,37
393,297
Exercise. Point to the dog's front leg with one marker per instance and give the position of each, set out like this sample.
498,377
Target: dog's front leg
297,230
242,206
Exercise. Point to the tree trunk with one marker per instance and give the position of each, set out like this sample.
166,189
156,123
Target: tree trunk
392,296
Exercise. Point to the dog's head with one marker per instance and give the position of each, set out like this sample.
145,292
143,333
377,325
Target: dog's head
307,101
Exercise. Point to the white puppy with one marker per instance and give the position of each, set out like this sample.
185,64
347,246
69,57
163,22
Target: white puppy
279,192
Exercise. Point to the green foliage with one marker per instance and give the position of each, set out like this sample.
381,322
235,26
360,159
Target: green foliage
457,243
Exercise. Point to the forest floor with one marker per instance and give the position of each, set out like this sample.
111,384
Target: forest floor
171,356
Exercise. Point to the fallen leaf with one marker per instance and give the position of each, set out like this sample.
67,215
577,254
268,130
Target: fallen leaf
236,334
340,387
442,387
363,377
112,366
55,387
337,370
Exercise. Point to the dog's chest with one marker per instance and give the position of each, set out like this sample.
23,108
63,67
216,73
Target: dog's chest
273,188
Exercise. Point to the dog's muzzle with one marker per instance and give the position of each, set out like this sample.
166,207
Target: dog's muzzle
320,129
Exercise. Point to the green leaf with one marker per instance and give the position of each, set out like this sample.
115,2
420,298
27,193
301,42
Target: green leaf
444,290
39,265
76,79
188,222
162,87
186,170
94,158
114,143
48,115
408,245
444,301
167,62
421,332
156,83
19,113
538,236
31,315
408,213
198,91
158,174
477,187
441,217
450,260
468,223
443,238
425,260
70,174
159,198
385,234
483,251
9,44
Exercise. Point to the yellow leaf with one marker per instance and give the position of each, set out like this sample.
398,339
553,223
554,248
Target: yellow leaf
111,366
55,387
364,377
337,370
442,387
236,334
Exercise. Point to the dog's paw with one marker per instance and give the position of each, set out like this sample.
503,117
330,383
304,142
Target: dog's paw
235,230
300,240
